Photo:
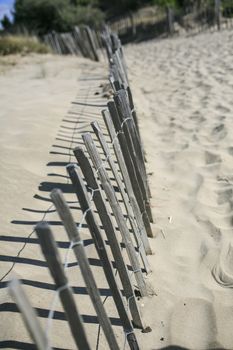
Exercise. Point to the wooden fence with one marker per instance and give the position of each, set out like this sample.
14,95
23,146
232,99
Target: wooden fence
93,186
158,22
82,41
144,24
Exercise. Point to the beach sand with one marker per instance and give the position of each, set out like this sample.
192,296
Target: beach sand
182,89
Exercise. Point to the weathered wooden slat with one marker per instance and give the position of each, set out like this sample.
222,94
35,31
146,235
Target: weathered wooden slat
122,57
217,9
79,41
130,166
85,204
56,42
120,71
134,115
124,111
107,43
133,142
29,315
79,251
114,42
92,150
138,238
91,43
126,178
52,256
127,111
110,233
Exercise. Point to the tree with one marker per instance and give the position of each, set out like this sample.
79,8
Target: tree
114,7
43,16
6,23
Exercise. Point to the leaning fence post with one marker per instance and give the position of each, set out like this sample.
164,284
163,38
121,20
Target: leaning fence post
218,13
129,129
170,20
52,256
29,315
126,108
79,41
79,251
133,26
141,239
110,233
130,167
95,157
91,43
84,201
125,175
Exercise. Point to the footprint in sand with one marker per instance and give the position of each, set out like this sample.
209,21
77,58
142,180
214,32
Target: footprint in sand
223,270
212,158
230,151
198,117
219,132
222,109
225,195
193,324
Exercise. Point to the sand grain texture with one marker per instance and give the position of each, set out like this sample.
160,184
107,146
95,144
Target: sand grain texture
183,91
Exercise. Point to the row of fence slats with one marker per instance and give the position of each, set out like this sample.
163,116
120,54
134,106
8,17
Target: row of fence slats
81,41
123,130
170,21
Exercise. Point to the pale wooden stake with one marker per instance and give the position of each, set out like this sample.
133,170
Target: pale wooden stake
121,101
117,211
52,256
79,251
81,192
110,231
141,240
126,177
130,167
218,13
29,315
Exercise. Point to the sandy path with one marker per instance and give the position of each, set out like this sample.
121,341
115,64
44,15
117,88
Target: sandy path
35,95
39,128
183,90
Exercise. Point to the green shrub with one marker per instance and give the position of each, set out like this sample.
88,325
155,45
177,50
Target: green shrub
12,44
43,16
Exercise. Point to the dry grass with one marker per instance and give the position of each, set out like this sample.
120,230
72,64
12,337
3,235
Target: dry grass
13,44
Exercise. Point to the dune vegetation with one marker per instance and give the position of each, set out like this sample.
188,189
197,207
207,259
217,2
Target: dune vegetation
13,44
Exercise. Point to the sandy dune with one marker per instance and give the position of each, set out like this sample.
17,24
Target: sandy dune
183,93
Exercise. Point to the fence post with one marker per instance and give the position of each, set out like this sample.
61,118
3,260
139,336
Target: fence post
29,315
218,13
139,236
79,251
133,26
132,139
98,164
170,20
125,175
130,167
110,233
91,43
52,256
81,192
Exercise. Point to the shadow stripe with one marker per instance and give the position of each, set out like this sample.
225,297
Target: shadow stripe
58,315
61,244
20,260
49,286
14,344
